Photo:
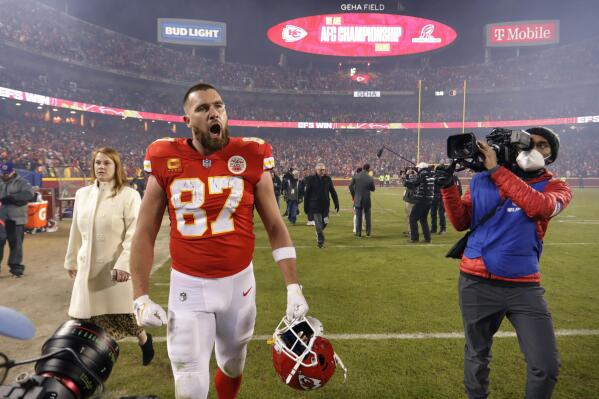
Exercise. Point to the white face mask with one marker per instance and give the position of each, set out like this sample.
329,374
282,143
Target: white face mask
530,161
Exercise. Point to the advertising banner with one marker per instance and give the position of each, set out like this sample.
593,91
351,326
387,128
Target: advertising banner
522,33
361,35
192,32
374,93
18,95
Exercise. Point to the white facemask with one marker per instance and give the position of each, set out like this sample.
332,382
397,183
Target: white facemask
530,161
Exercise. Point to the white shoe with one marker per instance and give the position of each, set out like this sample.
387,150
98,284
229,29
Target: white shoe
310,223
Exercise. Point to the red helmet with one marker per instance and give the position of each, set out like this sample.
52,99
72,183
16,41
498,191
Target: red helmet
303,358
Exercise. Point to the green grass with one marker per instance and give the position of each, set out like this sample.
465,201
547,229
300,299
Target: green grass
384,285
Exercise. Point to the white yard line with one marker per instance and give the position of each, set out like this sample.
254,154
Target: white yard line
413,336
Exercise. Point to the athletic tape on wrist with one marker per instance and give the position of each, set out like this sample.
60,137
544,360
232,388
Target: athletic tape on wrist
283,253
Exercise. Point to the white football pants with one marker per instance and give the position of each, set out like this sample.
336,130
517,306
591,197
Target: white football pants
204,313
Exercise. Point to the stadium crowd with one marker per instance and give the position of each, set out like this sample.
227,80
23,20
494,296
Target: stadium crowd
26,24
71,47
573,101
35,144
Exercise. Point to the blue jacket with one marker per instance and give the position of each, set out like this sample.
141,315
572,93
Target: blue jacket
508,242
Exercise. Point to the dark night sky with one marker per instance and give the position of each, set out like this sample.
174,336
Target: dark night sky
247,22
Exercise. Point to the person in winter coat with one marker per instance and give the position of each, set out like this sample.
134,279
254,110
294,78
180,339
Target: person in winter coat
15,193
104,219
294,192
510,207
360,187
278,186
317,189
423,184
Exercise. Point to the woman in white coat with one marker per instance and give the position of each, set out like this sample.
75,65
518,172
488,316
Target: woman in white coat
104,219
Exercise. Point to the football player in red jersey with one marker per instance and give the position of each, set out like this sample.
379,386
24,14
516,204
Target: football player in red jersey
210,184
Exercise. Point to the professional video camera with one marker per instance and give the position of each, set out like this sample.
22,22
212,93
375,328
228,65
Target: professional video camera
75,362
463,149
425,173
442,169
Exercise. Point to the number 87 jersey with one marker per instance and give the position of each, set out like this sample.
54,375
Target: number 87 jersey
210,202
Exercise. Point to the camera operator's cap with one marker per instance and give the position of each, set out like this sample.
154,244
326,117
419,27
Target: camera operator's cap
6,168
15,325
550,136
422,165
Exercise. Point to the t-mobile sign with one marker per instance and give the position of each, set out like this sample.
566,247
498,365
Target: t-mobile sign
362,35
523,33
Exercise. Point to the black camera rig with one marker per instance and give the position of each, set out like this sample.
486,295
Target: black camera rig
75,362
507,144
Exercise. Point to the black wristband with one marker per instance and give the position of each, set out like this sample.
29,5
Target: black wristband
493,169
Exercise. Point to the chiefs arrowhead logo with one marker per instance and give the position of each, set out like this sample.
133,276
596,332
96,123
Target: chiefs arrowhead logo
308,383
292,33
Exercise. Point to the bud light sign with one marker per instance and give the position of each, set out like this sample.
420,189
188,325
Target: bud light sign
361,35
192,32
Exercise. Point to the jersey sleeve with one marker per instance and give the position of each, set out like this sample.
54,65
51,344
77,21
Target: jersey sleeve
259,154
269,159
154,159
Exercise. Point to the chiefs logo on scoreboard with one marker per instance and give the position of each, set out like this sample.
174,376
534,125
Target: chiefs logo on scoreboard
293,33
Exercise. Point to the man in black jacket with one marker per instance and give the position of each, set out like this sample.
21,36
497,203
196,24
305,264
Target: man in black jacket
360,187
15,193
424,184
278,185
317,202
286,176
408,196
294,189
437,209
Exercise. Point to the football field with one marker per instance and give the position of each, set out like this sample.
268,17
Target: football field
391,311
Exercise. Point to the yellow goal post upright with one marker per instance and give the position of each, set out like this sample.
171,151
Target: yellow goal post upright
69,179
464,108
418,126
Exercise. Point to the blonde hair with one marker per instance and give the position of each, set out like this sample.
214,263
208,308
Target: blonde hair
120,177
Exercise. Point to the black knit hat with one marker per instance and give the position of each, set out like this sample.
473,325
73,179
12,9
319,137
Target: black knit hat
551,137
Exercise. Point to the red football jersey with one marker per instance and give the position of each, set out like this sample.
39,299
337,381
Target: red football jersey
210,202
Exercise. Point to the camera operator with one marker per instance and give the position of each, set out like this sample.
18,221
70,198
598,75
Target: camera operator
423,184
284,183
499,273
408,195
437,209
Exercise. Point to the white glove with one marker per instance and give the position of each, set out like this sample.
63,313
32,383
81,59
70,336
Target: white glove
296,303
148,313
